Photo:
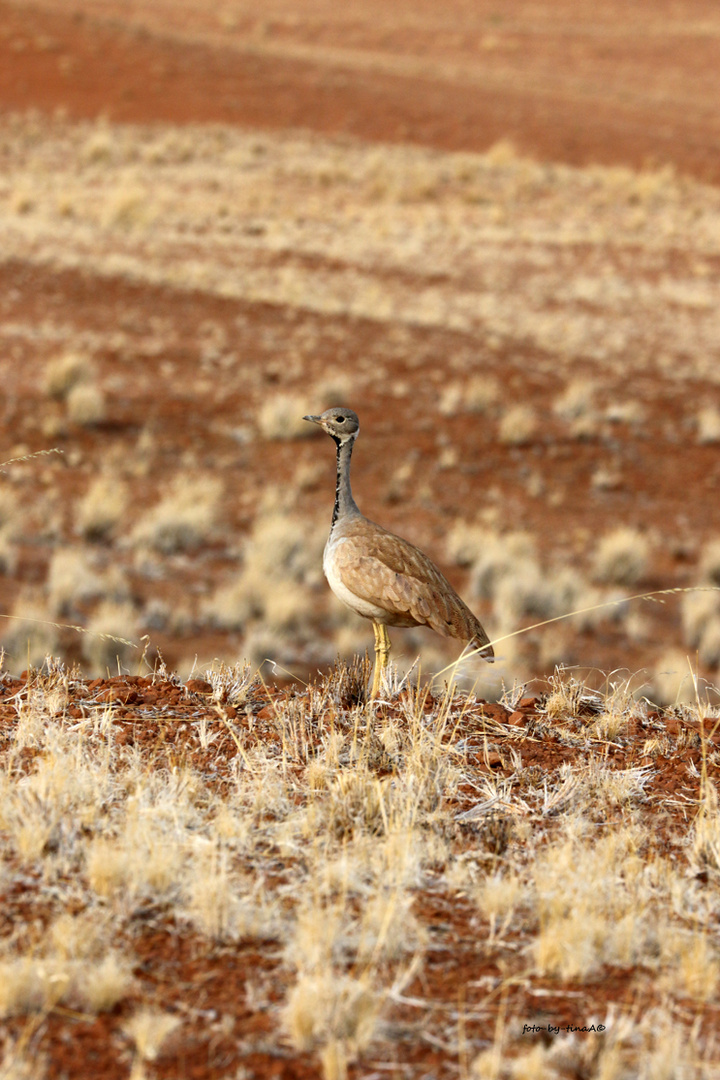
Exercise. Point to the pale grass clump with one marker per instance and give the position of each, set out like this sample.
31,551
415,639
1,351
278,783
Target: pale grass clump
78,937
709,648
86,405
363,843
334,1012
532,591
29,635
626,412
281,563
108,644
518,425
604,786
63,793
497,897
695,959
281,416
102,507
148,854
388,927
99,145
576,400
494,557
619,706
20,1062
110,868
12,524
9,555
66,372
576,406
67,780
129,206
621,557
565,695
184,519
286,607
705,836
99,986
708,425
653,1047
223,905
34,984
594,906
478,395
327,1010
701,624
149,1029
699,609
58,799
710,562
232,606
672,679
276,544
230,683
71,580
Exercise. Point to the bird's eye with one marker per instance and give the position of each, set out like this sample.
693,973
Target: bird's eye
340,419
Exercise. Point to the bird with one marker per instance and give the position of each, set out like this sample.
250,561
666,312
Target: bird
380,575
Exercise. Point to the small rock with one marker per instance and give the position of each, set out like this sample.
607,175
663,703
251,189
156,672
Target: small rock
198,686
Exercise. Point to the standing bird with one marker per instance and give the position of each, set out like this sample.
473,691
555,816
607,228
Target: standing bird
381,576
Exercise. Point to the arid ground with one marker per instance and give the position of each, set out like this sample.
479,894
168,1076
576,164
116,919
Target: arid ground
494,231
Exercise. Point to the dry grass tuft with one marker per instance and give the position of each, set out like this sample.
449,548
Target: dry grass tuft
330,833
710,562
183,519
102,507
621,557
110,621
149,1029
281,416
478,395
86,405
708,426
65,373
518,425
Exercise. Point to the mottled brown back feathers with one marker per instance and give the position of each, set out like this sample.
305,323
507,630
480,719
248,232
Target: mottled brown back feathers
383,569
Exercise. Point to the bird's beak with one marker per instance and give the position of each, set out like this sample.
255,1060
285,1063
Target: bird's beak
313,419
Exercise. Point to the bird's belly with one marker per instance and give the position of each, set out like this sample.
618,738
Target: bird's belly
363,607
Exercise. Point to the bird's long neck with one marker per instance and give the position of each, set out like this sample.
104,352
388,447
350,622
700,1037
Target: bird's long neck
345,505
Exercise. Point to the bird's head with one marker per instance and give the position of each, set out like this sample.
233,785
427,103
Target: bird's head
341,424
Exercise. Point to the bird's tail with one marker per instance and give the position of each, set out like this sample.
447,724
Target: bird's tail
485,649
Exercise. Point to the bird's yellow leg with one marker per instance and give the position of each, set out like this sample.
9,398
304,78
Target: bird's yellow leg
382,656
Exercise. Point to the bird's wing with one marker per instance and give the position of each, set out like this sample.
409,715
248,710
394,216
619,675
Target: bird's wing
386,570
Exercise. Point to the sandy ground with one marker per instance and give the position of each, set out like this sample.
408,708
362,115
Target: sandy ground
494,231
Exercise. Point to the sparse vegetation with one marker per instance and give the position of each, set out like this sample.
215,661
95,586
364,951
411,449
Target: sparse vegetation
251,868
183,519
281,417
328,836
621,557
86,405
66,372
102,507
708,425
518,425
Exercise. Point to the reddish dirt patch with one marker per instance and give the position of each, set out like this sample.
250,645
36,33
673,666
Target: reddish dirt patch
582,83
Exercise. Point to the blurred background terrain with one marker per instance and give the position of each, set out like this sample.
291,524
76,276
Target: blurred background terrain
491,229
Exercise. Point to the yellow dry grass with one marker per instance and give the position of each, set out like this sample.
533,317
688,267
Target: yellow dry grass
361,809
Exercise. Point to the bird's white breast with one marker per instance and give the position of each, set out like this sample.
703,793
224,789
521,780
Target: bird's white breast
362,607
